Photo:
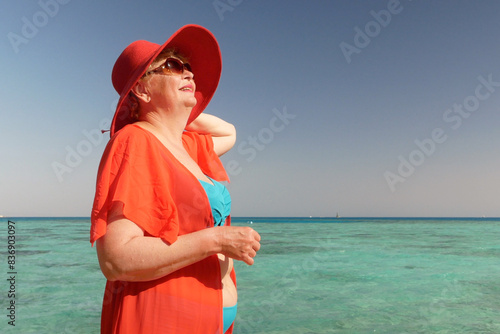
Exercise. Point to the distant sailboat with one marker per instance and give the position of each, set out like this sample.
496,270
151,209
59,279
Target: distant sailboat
338,215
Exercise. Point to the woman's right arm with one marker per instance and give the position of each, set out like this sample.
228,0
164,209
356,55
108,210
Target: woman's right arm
126,254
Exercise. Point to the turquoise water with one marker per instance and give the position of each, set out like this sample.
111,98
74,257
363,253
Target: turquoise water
311,276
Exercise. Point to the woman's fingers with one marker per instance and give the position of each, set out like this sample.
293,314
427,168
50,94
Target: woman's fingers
242,243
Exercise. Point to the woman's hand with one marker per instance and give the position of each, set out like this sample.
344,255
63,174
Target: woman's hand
223,133
239,243
125,254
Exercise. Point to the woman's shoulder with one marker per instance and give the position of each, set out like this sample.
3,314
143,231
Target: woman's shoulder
130,130
132,135
131,138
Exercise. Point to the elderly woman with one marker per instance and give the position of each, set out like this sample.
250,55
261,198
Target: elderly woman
160,218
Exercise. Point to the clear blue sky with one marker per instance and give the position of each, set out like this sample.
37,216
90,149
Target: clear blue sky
386,108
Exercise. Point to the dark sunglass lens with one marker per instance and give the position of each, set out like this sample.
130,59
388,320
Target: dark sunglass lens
187,67
174,65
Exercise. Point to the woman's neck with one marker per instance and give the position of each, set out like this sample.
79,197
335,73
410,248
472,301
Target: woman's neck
167,125
170,139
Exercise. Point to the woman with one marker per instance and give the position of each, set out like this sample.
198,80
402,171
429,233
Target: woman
160,218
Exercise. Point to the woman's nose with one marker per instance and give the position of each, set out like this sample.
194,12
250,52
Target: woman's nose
187,74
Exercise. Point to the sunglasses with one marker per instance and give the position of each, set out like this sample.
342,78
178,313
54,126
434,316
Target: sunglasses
171,66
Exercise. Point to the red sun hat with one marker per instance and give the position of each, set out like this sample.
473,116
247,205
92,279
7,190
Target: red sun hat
194,42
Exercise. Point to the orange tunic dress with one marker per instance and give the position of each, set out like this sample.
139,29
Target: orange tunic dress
166,200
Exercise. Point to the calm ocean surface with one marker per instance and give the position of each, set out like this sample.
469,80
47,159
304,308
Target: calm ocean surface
352,275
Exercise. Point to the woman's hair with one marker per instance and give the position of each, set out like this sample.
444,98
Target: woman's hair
131,101
133,106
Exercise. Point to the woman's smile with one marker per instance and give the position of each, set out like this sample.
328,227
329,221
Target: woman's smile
189,88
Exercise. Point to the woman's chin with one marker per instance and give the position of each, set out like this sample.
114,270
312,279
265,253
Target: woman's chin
191,103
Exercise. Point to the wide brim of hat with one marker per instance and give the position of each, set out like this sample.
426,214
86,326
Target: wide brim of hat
201,49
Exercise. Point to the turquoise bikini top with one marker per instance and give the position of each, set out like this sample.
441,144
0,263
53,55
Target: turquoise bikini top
220,200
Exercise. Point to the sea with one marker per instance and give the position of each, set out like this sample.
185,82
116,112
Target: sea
311,276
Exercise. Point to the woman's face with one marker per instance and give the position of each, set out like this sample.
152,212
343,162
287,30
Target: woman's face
172,90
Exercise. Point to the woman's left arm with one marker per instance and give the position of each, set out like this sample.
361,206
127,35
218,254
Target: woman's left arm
223,133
